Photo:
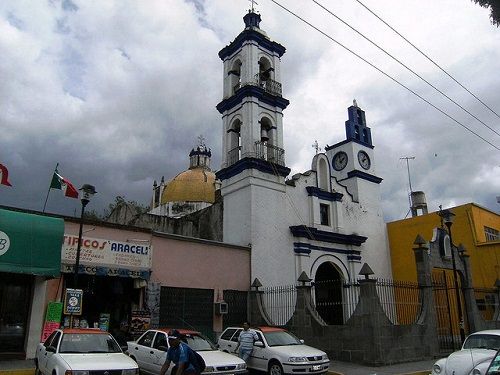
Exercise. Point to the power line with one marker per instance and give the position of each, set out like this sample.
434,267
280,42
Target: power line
427,57
404,65
384,73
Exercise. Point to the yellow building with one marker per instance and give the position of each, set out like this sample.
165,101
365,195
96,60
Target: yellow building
476,227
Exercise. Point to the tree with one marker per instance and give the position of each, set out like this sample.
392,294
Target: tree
494,6
119,200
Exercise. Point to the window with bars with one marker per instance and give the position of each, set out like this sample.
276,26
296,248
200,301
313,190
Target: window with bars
491,234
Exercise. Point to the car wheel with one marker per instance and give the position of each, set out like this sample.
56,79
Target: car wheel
275,368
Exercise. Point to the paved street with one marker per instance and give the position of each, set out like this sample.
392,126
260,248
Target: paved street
20,367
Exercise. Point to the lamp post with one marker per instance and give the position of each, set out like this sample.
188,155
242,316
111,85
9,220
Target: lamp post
448,218
88,192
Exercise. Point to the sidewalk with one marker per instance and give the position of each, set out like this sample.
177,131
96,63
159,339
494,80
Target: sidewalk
27,367
17,367
410,368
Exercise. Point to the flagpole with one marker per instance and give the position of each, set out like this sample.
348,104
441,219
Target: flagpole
48,191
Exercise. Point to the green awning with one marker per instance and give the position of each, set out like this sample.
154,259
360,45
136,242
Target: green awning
30,244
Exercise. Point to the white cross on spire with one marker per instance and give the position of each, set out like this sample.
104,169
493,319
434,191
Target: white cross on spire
315,145
253,2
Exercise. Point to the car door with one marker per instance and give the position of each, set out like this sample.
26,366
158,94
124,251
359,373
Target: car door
224,342
233,343
41,354
159,353
46,357
260,356
141,350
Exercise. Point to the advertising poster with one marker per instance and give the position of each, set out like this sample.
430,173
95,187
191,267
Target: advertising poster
104,321
52,319
73,302
139,323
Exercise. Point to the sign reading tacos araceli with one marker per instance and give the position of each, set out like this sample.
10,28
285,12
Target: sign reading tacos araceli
107,253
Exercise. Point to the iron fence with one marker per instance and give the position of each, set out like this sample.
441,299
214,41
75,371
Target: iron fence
335,300
279,303
401,300
445,304
271,153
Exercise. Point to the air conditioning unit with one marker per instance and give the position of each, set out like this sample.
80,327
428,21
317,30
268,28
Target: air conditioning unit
220,308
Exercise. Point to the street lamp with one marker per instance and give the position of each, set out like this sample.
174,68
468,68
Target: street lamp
88,192
448,217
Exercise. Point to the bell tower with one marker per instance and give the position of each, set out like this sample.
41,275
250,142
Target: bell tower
252,102
253,166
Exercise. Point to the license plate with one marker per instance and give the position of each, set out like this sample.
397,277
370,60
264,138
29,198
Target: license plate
316,367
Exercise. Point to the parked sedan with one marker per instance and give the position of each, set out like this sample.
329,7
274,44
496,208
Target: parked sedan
474,358
82,352
149,351
278,352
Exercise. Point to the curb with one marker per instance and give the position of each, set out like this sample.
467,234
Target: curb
422,372
28,371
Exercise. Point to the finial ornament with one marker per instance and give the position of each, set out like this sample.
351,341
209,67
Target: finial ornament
201,141
253,2
315,145
354,103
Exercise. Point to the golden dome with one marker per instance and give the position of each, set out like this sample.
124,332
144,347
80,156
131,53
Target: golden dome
193,185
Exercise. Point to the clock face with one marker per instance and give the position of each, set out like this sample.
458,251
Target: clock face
364,160
339,161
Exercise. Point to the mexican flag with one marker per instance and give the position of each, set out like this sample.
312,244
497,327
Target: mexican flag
61,183
4,175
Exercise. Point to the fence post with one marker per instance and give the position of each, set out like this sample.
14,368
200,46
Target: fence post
428,315
256,314
474,317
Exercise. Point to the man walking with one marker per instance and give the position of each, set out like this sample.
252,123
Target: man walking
178,352
245,342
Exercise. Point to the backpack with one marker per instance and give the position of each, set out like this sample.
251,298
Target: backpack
197,361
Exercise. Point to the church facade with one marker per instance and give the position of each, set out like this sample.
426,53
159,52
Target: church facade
327,221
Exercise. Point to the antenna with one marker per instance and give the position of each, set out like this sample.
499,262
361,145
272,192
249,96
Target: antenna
407,158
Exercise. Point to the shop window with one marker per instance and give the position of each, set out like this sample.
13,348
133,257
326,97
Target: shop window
324,214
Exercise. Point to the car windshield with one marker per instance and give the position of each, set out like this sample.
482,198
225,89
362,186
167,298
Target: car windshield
482,341
88,343
279,338
199,343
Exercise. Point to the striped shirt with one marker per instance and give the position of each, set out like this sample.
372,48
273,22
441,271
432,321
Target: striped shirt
247,338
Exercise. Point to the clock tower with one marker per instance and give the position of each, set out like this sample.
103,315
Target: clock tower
352,160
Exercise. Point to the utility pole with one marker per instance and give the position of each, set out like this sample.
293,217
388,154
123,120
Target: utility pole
408,158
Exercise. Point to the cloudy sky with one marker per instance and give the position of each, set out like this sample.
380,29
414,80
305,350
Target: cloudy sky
117,93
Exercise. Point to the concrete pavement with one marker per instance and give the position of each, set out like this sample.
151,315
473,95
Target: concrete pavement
410,368
27,367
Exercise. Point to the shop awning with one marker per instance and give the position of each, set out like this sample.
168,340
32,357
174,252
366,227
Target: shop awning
30,244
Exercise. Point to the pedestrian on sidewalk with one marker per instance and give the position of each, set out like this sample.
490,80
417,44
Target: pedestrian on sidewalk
246,340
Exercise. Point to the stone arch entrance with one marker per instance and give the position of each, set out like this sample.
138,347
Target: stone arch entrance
328,284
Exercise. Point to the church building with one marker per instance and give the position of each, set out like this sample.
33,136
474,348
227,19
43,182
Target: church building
327,221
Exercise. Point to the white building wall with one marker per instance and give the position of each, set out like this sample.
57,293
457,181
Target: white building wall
37,315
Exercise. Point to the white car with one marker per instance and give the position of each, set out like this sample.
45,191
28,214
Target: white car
82,352
149,351
474,358
278,352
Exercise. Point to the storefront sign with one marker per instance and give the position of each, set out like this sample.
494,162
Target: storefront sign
52,319
4,243
73,302
30,243
107,257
